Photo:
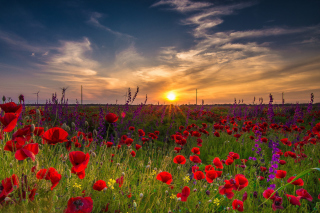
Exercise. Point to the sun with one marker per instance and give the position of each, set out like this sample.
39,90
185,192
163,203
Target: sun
171,96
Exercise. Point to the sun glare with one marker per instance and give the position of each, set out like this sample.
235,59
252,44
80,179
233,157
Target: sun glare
171,96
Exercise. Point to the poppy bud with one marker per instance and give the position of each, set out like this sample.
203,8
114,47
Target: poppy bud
166,192
194,190
64,126
26,118
209,201
179,199
141,195
155,168
67,128
90,151
118,164
105,189
178,167
95,133
208,192
32,128
86,123
73,125
148,166
10,165
134,204
158,202
122,173
38,114
7,199
93,154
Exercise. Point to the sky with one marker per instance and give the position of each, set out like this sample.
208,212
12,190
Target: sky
225,49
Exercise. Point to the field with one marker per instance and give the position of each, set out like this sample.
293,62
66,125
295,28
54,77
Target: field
160,158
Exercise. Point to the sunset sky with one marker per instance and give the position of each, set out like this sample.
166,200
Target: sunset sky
225,49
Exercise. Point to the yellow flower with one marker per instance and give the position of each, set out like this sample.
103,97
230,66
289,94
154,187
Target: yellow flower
186,178
173,196
77,186
216,201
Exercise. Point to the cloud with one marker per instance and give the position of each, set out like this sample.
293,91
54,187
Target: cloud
183,5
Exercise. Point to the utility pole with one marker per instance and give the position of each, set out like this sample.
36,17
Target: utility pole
196,96
81,94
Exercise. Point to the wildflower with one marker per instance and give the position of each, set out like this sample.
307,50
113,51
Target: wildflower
186,178
100,185
79,204
111,118
216,201
50,174
165,177
141,195
237,205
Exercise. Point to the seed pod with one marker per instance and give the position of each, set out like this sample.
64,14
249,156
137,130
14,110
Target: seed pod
32,128
95,133
86,123
73,125
122,174
64,126
67,129
38,114
141,195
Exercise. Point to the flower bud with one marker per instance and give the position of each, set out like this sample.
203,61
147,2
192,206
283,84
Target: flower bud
26,118
194,190
7,199
148,166
134,204
141,195
155,168
167,192
10,165
32,128
90,151
209,201
93,154
64,126
122,173
105,189
86,123
38,114
73,125
208,192
95,133
67,129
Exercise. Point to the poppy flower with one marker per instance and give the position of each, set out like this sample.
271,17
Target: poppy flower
237,205
79,205
7,186
251,137
11,107
298,182
9,121
131,128
79,160
55,135
267,194
244,196
156,132
211,175
229,132
14,145
184,194
286,142
208,168
24,132
128,141
264,140
194,169
277,203
282,162
263,169
181,128
133,153
179,159
165,177
196,134
153,136
50,174
109,144
261,178
138,147
234,155
120,181
186,133
111,118
226,189
141,133
204,125
38,131
27,151
177,149
293,200
229,161
240,182
195,150
99,185
217,134
198,175
303,194
281,174
237,136
218,163
195,159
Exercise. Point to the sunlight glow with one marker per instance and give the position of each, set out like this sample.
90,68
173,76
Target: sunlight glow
171,96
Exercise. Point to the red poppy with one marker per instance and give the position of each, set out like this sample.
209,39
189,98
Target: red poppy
240,182
11,107
195,150
234,155
211,175
218,163
153,136
282,162
38,131
303,194
217,134
277,203
120,181
204,125
196,134
79,205
251,137
229,161
24,132
260,178
294,200
50,174
55,135
263,169
7,186
79,160
9,121
165,177
298,182
156,132
195,159
286,142
198,175
194,169
109,144
177,149
99,185
181,128
264,140
179,159
226,189
12,146
267,194
237,136
184,194
208,168
133,153
141,133
128,141
131,128
229,132
29,150
186,133
111,118
281,174
138,147
237,205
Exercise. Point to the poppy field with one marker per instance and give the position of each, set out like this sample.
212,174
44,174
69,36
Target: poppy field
159,158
